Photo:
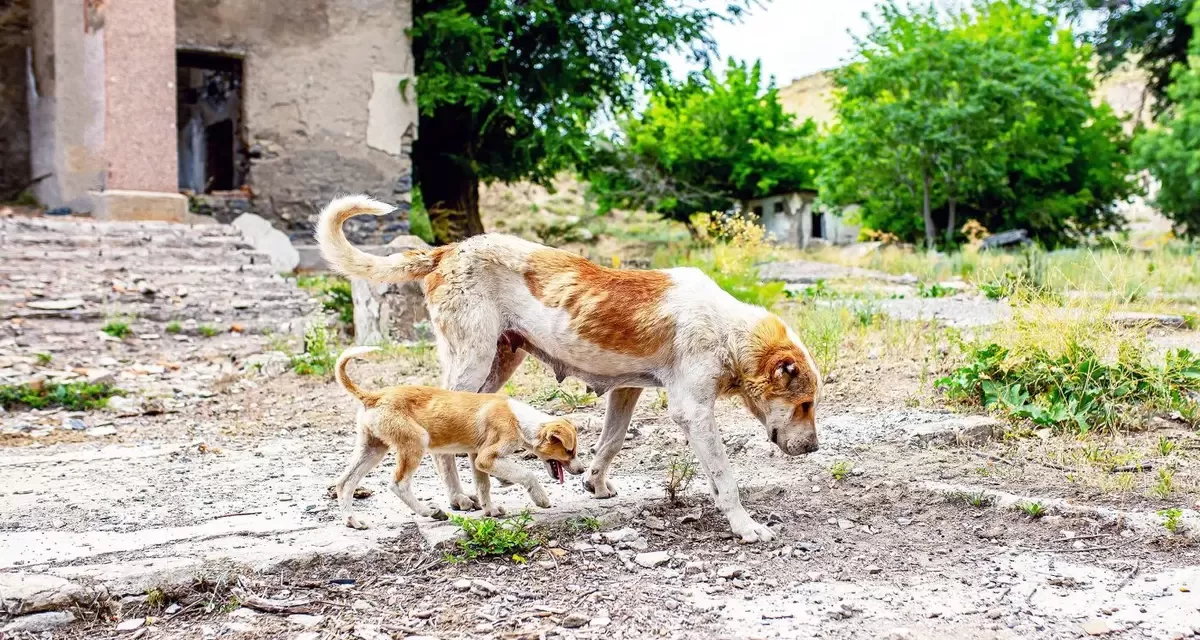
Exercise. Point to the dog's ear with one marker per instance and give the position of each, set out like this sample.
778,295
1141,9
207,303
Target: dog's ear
786,367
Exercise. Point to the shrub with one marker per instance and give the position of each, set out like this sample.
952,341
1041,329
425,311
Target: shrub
319,355
489,537
118,329
73,396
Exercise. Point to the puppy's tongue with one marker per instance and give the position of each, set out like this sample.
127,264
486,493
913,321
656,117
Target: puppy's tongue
558,468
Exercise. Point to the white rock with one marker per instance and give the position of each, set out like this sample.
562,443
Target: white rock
600,623
131,624
483,586
361,605
620,535
731,571
652,559
269,240
462,585
38,622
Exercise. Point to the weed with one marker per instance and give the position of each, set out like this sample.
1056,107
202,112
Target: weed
156,599
680,474
118,329
319,355
585,524
489,537
1165,485
822,329
73,396
977,499
1172,519
817,290
1165,446
207,330
1031,508
934,290
174,327
660,400
840,469
568,399
44,359
334,294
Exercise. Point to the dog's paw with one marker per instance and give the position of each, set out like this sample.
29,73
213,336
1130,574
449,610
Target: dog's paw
494,511
463,502
752,532
605,490
438,514
540,498
355,522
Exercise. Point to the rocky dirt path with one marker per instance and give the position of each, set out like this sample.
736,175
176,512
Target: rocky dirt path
206,516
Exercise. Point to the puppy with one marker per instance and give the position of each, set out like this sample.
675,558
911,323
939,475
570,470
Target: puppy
488,427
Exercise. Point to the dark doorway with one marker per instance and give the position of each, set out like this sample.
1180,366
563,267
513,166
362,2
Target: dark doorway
818,225
209,105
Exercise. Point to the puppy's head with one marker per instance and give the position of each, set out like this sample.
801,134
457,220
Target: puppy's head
781,387
556,447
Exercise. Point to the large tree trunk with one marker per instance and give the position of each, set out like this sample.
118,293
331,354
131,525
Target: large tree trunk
926,211
950,223
452,200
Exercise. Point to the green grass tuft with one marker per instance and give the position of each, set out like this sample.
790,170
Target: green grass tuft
489,537
73,396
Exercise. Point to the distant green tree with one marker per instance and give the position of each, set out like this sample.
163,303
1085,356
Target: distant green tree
702,145
508,88
986,114
1171,152
1153,34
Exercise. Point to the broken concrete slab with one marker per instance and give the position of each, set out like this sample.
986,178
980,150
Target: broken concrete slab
957,431
22,593
810,272
38,622
269,240
1143,320
121,205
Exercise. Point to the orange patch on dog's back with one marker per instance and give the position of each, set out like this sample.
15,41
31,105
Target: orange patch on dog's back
615,309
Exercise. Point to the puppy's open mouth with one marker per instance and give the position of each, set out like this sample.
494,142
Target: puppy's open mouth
556,471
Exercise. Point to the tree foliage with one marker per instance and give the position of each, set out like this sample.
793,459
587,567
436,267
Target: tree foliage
984,114
1154,34
1172,152
508,88
704,144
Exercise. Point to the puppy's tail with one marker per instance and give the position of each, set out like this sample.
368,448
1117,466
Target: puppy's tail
351,261
339,371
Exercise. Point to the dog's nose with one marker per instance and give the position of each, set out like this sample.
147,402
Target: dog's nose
811,447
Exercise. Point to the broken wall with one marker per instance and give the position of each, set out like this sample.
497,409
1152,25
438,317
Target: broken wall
322,111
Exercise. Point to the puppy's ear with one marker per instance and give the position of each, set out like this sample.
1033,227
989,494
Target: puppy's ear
786,368
563,433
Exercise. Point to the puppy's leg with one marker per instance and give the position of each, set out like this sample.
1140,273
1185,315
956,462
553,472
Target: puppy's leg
490,463
467,354
448,470
408,458
483,490
368,451
692,408
616,422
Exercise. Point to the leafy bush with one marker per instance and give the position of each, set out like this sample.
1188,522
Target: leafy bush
118,329
319,352
1074,373
73,396
1172,519
488,537
334,293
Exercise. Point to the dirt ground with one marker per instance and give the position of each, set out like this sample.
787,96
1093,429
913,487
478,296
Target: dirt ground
199,510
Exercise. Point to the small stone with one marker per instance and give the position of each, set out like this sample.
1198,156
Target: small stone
600,623
74,424
845,524
484,627
243,612
652,559
656,523
638,544
424,614
101,432
574,620
172,609
816,489
55,305
605,549
58,524
361,605
815,576
694,567
620,535
873,569
131,624
485,587
731,571
994,614
462,585
305,620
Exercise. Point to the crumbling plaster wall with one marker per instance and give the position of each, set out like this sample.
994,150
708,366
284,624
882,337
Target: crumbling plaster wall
323,112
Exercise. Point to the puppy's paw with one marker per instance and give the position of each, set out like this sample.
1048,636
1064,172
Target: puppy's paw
354,522
438,514
463,502
752,532
495,511
601,490
539,497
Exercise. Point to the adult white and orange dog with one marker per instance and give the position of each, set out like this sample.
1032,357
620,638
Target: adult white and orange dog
494,298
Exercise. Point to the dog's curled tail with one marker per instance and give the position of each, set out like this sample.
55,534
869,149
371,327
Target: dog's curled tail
339,372
351,261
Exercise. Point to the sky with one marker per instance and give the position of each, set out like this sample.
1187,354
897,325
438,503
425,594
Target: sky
793,38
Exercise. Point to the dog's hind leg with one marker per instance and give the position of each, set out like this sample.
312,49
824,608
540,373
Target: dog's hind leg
368,451
408,457
616,422
483,490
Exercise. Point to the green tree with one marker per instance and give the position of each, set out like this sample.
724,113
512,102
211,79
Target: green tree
1154,34
986,112
1171,153
704,144
509,88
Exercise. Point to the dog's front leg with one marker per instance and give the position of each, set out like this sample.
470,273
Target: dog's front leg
616,422
693,411
483,490
448,470
508,470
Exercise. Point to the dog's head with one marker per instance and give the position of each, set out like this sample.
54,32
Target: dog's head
556,442
781,386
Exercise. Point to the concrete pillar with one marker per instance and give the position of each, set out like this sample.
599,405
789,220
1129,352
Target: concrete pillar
102,108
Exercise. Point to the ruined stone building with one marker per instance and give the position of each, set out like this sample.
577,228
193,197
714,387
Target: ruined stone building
164,109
